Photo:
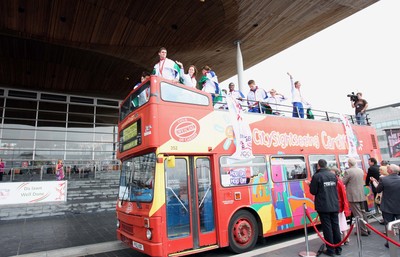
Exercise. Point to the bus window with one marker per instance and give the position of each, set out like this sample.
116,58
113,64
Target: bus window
235,174
135,100
286,168
172,93
176,191
137,176
205,195
344,165
313,160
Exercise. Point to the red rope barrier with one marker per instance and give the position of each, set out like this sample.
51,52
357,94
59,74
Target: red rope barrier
383,235
322,238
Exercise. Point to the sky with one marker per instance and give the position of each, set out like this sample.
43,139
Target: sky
357,54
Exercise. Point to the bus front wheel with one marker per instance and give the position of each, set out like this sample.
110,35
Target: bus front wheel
243,232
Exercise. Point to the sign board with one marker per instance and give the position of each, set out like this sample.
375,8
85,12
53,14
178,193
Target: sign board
33,192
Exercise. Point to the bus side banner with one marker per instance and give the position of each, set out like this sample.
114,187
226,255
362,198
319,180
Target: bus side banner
241,129
33,192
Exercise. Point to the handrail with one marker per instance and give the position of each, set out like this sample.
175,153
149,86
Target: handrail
288,109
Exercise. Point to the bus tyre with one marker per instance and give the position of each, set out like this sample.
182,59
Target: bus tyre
243,232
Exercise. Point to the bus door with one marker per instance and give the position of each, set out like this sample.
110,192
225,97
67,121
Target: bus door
189,204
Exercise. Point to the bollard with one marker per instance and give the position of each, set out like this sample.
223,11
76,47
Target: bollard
392,233
306,253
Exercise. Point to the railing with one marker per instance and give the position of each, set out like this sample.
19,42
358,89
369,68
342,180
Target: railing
287,111
48,172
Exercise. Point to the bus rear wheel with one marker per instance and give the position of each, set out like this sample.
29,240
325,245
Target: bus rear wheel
243,232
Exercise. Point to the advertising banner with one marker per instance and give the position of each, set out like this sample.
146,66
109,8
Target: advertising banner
393,139
33,192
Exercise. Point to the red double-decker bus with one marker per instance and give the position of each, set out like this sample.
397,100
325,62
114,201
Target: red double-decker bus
182,188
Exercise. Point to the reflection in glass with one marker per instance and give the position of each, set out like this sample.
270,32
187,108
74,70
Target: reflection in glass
177,202
205,197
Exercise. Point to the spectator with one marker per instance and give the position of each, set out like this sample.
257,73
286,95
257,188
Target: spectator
390,188
209,82
166,68
2,165
354,182
344,210
297,99
189,79
60,170
255,97
373,171
323,187
274,100
383,168
360,106
383,171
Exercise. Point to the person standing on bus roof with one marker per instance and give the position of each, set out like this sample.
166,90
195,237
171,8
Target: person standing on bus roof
274,100
166,68
145,75
209,82
255,96
360,106
323,187
235,93
189,79
297,99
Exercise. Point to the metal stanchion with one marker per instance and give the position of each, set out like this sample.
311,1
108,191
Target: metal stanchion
306,253
393,233
359,244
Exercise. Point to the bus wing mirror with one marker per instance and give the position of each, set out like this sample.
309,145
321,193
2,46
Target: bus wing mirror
171,161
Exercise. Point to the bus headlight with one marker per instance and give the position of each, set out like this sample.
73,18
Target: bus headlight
117,223
148,234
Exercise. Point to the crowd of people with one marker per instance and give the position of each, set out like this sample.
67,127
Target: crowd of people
338,196
257,100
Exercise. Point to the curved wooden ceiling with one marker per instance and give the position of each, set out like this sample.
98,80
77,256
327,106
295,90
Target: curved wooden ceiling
100,47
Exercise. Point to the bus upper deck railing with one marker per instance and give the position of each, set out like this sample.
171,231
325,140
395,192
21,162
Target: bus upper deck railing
287,111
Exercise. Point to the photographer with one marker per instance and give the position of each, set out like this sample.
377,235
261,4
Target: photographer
361,106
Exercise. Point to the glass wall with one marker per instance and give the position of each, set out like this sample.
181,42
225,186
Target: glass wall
38,127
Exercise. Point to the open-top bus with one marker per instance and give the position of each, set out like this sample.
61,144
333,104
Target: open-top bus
182,188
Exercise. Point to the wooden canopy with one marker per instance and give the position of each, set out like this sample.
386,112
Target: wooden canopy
100,47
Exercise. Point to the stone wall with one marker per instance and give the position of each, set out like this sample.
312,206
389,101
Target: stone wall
83,196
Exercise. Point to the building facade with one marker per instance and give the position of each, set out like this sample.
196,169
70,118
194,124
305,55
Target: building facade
38,128
386,120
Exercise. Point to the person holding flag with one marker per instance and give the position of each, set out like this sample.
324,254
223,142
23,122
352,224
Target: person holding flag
166,68
209,83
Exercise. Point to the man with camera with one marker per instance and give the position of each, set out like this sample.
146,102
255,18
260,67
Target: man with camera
361,106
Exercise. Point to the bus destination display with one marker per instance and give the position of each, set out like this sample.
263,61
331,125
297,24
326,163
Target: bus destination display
130,137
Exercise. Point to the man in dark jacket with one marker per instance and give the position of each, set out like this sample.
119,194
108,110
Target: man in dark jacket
373,171
323,187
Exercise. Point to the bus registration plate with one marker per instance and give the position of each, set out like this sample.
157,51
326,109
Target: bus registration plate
137,245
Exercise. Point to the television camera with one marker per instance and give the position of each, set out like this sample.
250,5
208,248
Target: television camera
353,97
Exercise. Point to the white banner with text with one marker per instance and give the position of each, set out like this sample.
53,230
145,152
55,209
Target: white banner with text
33,192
